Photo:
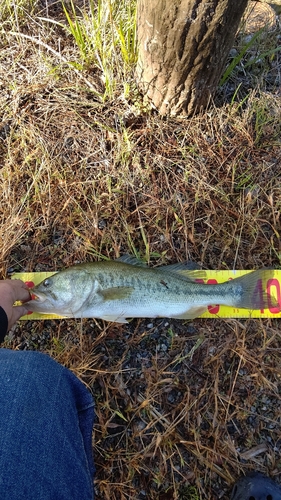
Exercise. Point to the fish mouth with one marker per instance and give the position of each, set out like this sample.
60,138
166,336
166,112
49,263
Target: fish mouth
35,302
38,297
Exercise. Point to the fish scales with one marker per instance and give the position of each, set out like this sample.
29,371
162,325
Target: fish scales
165,284
162,285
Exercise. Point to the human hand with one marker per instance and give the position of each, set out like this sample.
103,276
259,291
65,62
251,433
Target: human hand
10,292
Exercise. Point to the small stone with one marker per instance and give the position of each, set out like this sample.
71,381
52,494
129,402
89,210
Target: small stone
101,224
233,53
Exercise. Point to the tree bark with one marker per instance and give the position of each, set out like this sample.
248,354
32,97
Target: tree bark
183,46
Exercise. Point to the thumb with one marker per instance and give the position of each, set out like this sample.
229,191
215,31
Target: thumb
18,312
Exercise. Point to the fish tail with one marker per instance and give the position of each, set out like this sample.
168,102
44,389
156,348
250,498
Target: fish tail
252,290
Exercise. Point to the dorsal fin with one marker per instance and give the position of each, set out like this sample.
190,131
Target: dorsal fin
130,259
189,269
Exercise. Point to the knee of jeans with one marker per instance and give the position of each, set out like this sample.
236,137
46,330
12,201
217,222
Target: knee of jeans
31,364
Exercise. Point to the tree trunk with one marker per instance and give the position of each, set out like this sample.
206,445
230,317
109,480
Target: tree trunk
183,46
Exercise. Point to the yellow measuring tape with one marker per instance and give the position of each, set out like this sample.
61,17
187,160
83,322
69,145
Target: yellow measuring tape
273,287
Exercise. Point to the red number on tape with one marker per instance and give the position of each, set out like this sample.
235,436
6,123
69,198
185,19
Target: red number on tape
273,282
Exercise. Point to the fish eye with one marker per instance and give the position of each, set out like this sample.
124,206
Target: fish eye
46,282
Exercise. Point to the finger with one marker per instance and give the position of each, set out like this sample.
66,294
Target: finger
21,290
18,312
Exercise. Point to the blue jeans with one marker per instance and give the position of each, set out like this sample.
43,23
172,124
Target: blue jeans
46,421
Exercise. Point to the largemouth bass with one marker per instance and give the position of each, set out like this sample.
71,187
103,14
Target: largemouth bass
116,290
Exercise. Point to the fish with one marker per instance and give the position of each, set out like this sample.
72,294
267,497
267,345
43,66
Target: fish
124,288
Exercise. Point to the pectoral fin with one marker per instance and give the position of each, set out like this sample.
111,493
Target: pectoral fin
192,313
117,293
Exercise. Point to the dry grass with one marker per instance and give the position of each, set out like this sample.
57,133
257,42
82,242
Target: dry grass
87,172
